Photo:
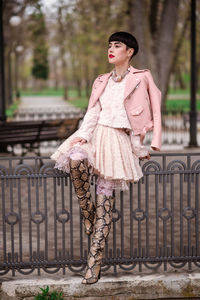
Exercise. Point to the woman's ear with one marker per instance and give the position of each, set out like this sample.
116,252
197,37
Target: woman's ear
130,52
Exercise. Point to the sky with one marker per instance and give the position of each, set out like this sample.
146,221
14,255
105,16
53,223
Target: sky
48,3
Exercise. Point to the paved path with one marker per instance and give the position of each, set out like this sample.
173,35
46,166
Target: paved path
42,101
41,108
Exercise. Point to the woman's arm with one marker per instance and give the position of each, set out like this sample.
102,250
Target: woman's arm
138,148
155,96
88,125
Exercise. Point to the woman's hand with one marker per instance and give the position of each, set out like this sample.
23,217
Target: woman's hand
145,157
79,140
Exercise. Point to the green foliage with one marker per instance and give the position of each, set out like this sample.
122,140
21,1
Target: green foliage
180,105
12,108
46,295
40,67
37,27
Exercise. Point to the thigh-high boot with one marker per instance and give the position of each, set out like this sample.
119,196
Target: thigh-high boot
104,205
80,177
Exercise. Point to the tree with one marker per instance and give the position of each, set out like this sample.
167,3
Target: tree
14,39
40,68
156,25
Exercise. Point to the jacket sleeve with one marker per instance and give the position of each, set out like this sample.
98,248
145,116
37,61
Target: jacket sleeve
155,100
89,122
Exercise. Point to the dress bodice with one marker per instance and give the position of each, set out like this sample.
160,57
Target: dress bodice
112,112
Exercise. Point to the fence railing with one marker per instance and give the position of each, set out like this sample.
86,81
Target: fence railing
156,223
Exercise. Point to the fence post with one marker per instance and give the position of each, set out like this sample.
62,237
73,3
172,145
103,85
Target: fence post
193,112
2,76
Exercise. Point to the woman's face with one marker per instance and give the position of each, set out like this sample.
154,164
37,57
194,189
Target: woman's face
118,53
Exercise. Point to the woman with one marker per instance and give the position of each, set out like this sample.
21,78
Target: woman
123,106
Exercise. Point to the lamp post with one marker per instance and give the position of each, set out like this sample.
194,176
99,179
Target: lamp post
2,74
15,22
193,111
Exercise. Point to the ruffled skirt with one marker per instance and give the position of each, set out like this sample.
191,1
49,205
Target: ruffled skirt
109,154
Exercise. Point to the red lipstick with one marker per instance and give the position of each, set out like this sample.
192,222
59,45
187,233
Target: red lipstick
111,56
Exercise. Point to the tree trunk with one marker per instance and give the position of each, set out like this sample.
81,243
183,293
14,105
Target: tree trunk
16,75
8,76
180,79
138,27
165,44
64,77
153,24
87,81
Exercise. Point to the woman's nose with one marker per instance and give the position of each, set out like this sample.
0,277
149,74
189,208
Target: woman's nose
110,48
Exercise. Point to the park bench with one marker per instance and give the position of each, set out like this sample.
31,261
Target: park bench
29,134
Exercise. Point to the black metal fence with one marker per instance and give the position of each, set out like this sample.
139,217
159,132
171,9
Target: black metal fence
155,224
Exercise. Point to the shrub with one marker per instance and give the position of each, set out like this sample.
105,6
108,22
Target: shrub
46,295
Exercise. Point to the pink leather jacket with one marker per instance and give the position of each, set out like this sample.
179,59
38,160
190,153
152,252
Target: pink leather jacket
142,101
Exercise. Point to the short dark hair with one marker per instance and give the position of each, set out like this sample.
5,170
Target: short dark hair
127,38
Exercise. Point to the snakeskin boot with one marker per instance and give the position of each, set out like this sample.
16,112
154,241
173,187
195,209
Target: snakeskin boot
102,227
80,177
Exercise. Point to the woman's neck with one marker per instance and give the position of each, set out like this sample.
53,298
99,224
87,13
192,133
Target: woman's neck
121,69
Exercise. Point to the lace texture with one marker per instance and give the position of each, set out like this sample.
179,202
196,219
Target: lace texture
105,187
138,149
113,113
62,158
77,154
89,122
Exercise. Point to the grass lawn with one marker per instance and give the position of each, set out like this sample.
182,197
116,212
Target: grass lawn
10,111
180,105
48,92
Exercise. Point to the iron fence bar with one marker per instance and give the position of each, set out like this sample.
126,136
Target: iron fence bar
146,182
45,220
197,198
189,205
55,212
172,213
20,218
122,223
131,219
157,217
3,219
181,215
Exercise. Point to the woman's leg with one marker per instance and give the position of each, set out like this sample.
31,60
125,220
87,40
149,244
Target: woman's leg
104,205
80,177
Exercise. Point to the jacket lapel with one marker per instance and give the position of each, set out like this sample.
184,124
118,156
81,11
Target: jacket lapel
100,86
131,82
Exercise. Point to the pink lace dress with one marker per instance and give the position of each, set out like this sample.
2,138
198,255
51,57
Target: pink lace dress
112,153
